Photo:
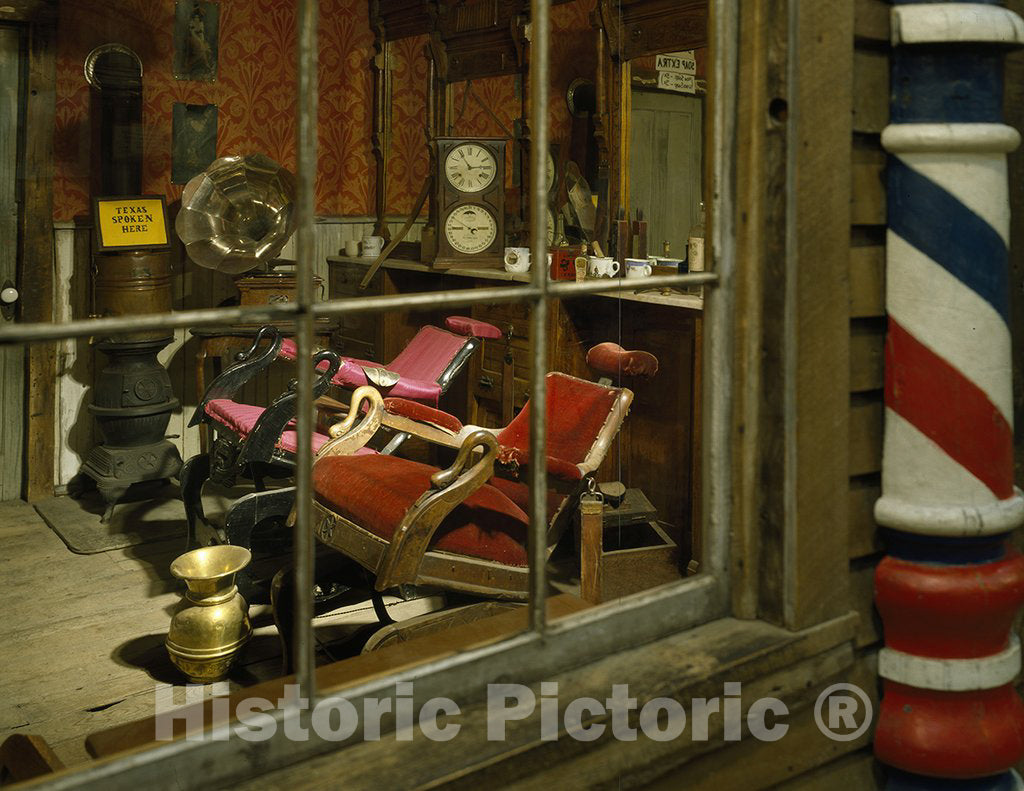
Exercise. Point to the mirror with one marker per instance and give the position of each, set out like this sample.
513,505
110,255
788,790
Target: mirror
655,88
666,144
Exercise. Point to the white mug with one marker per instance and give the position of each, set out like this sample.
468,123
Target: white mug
372,246
352,248
638,267
517,259
603,267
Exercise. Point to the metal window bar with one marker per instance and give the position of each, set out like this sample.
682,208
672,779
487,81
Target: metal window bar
631,621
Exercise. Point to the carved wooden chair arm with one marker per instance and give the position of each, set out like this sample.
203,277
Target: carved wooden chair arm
246,366
265,434
359,424
449,488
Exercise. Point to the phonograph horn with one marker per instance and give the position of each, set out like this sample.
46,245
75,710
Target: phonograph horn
238,214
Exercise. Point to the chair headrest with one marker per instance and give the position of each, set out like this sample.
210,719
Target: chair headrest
611,359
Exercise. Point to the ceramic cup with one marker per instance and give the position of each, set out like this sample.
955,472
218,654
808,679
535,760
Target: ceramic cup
638,267
372,246
603,267
352,248
517,259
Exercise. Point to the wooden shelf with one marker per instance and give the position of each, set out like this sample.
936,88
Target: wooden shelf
617,290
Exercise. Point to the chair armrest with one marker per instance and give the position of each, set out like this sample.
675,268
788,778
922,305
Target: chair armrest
449,488
246,366
263,439
403,407
360,424
464,325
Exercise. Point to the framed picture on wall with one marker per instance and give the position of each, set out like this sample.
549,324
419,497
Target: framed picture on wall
196,26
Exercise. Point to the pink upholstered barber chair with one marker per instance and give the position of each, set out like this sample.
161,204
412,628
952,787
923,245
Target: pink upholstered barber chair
257,442
463,528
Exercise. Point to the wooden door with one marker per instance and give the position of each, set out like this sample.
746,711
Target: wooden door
665,166
12,359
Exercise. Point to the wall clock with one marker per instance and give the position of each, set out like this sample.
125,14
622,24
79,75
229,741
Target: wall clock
469,201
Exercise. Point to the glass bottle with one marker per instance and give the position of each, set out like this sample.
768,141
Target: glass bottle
695,244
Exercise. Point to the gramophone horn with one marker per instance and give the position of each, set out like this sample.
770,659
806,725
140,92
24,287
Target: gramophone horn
237,214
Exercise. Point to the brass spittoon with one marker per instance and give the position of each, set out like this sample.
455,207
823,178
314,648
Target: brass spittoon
212,623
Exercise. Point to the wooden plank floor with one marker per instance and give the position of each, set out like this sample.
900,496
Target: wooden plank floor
82,636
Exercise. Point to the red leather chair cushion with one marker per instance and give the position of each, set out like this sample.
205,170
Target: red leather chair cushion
464,325
241,419
577,410
375,492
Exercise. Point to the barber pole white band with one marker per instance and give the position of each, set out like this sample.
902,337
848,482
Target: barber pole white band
951,675
940,23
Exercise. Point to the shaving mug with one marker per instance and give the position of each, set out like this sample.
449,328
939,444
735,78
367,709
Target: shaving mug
517,259
638,267
603,267
372,246
352,248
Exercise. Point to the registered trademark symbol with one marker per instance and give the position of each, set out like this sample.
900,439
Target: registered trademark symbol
846,704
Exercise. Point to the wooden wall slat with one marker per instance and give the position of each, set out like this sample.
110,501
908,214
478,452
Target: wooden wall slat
858,770
862,594
867,348
867,281
865,455
35,253
871,20
870,90
868,206
863,536
815,530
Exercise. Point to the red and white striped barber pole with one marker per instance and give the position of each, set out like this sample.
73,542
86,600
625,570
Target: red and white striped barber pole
951,586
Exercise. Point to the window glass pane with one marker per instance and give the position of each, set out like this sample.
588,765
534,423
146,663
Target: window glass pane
171,131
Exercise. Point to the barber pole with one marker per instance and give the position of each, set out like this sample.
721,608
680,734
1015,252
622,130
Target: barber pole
951,586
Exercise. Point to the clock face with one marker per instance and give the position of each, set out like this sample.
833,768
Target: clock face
470,229
469,167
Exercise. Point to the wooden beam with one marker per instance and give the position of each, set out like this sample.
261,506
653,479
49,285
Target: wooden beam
35,257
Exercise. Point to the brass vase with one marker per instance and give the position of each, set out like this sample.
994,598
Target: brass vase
212,624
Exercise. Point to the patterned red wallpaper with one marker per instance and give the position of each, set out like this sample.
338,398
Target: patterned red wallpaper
255,93
572,55
408,161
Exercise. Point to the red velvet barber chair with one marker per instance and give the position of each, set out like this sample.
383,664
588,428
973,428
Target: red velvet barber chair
257,442
463,528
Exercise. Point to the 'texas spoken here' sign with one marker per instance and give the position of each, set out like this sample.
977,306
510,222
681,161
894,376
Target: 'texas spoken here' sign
131,223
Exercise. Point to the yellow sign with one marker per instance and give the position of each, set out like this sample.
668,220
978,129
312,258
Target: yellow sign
131,222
